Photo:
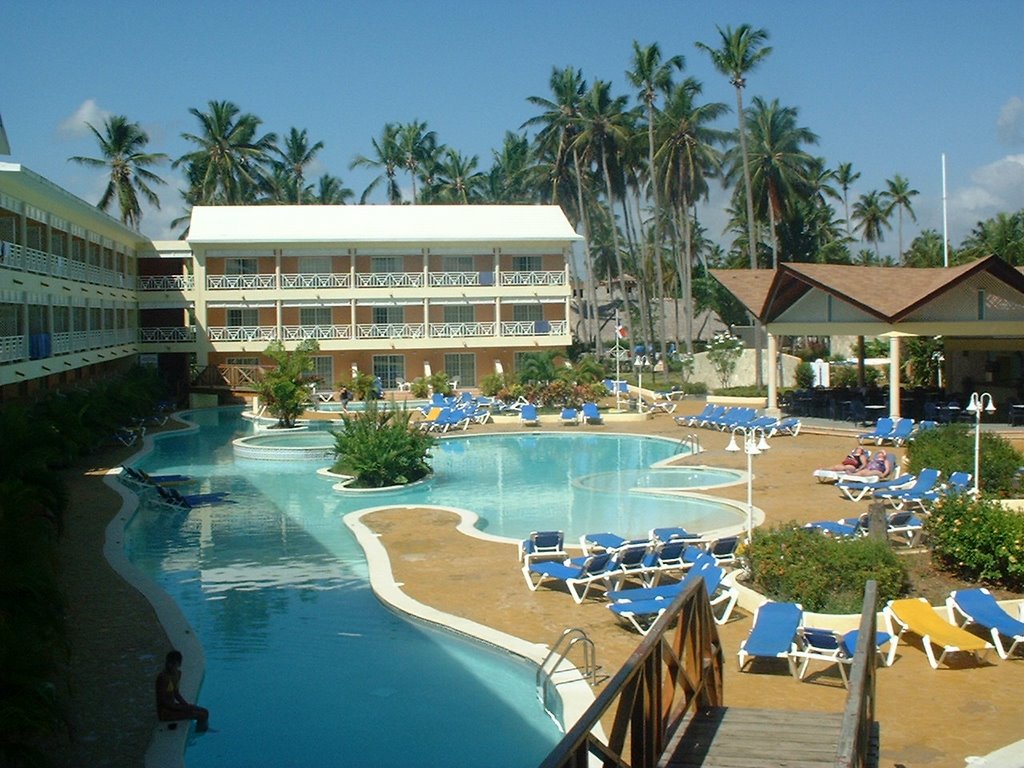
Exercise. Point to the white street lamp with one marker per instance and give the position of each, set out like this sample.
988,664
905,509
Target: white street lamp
752,447
977,404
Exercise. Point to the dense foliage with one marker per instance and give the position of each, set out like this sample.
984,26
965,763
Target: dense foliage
380,447
978,539
950,448
823,574
285,389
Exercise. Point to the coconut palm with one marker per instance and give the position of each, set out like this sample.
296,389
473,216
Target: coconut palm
510,179
295,156
418,148
871,213
651,75
330,190
898,194
121,145
231,160
845,178
456,180
1002,235
387,159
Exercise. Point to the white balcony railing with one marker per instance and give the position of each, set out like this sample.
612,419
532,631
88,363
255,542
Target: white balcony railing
243,333
14,256
460,279
13,349
171,334
534,328
300,332
238,282
532,278
389,280
317,280
390,331
166,282
461,330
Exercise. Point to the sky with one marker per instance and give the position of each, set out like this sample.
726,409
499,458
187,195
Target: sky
887,86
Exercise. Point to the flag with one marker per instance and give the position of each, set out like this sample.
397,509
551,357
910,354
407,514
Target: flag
620,331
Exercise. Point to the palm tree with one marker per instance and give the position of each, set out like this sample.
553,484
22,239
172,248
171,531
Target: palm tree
457,180
651,75
121,145
898,193
1002,235
231,159
845,178
388,159
418,148
330,190
510,179
742,50
872,214
296,155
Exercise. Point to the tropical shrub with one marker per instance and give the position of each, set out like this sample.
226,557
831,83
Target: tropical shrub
285,389
362,386
419,387
379,447
724,352
440,383
978,539
823,574
950,448
491,384
804,375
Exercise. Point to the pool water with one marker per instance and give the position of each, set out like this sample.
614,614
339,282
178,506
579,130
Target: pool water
304,666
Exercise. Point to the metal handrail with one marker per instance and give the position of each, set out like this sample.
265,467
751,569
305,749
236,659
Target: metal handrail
569,638
693,442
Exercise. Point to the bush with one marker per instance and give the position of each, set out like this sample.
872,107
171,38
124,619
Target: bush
724,351
950,448
491,384
978,539
804,375
379,448
824,575
420,387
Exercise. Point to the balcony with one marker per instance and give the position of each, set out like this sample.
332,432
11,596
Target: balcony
266,333
314,280
302,332
391,331
535,328
461,330
239,282
170,335
166,282
317,280
362,331
40,346
22,259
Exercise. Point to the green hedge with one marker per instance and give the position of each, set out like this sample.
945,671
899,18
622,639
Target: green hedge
978,539
950,448
823,574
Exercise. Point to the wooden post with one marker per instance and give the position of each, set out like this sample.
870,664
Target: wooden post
878,525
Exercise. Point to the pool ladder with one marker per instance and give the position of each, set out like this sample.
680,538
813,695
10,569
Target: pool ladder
569,639
692,441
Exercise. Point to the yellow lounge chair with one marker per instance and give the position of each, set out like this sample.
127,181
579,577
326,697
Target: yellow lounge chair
914,614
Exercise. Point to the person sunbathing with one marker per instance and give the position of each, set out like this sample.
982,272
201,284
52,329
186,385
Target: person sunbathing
855,461
880,465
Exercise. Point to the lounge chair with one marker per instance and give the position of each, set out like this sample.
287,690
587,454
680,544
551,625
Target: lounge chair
695,419
570,417
402,385
773,633
828,645
841,529
667,591
543,545
924,485
855,490
174,498
901,432
528,415
577,578
788,426
978,606
883,428
605,541
905,525
662,405
642,610
127,436
672,532
914,614
666,557
141,479
591,415
429,420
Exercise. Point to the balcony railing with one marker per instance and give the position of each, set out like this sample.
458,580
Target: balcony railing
383,280
243,333
461,330
239,282
532,278
166,282
534,328
301,332
389,280
40,346
18,257
317,280
167,335
391,331
460,279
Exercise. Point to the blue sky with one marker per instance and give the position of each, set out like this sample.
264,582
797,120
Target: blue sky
887,86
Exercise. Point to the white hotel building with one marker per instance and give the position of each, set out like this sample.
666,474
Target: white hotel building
393,291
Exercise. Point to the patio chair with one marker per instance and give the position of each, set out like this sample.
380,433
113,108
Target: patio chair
570,417
724,549
578,579
905,525
528,415
900,434
173,498
138,478
695,419
788,426
978,606
925,483
883,428
591,415
773,633
661,405
543,545
855,490
604,541
669,591
402,385
666,557
672,532
830,646
914,614
643,610
841,529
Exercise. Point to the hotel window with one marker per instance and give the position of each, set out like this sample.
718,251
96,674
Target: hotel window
457,263
10,323
461,366
315,265
239,318
315,316
526,264
389,368
459,313
384,264
237,266
323,368
525,313
388,315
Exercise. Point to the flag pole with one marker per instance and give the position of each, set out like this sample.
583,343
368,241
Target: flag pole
618,360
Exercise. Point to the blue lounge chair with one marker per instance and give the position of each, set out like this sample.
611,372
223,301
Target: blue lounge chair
591,415
724,549
828,645
978,606
773,634
788,426
905,525
174,498
694,419
528,415
607,541
141,479
926,481
570,417
669,591
665,557
672,532
855,490
900,434
543,545
883,428
577,578
642,611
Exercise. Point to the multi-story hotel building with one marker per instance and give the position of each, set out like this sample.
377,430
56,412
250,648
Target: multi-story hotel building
394,291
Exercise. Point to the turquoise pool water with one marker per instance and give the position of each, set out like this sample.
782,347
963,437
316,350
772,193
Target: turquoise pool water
304,666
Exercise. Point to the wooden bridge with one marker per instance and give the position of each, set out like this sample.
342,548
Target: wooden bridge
667,708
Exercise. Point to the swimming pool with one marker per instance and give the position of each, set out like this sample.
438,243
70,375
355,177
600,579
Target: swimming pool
304,665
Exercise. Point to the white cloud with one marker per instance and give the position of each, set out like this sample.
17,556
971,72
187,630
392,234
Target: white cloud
74,125
997,187
1010,123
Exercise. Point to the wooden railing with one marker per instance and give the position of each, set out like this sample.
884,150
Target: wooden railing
668,675
857,734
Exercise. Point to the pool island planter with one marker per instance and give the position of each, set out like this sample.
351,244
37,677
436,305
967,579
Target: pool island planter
293,444
344,485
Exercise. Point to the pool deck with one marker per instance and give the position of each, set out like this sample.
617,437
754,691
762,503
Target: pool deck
929,718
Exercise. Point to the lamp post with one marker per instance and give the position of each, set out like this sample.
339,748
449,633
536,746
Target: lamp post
975,406
752,447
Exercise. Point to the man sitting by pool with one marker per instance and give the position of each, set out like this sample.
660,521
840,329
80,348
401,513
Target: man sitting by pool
171,706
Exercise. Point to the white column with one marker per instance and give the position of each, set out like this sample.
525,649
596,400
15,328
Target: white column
894,377
773,374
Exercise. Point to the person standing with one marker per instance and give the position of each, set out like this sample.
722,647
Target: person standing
171,706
